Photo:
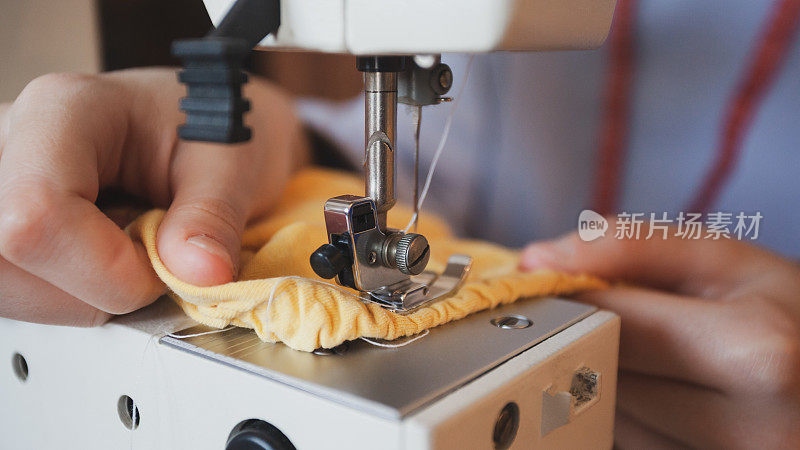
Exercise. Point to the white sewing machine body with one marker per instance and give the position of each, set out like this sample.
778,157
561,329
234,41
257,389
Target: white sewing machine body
444,391
533,374
367,27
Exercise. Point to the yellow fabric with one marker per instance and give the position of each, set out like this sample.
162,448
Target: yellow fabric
306,314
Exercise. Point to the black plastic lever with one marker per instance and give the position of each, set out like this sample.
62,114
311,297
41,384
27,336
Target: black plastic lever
213,72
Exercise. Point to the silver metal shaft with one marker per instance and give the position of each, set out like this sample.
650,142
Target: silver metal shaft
380,131
417,130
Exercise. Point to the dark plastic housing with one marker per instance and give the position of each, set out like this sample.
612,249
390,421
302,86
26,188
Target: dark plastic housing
214,72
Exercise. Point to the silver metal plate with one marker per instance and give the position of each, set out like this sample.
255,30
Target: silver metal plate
391,382
428,287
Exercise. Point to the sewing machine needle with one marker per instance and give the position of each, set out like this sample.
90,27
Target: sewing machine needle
416,166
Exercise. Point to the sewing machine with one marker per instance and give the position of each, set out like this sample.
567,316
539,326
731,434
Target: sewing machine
534,374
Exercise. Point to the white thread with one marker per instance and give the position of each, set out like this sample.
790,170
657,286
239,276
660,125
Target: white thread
269,300
278,281
186,336
343,291
442,141
138,382
298,277
401,344
134,416
163,391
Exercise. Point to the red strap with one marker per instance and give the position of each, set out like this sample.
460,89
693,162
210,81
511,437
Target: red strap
614,131
776,38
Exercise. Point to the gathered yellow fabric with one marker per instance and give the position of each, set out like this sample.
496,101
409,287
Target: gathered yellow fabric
279,296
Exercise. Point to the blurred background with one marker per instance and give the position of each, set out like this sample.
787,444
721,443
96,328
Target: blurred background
43,36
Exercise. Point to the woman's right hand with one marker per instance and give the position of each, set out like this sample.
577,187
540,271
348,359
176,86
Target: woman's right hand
67,137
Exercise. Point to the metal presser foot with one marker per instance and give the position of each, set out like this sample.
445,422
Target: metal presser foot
387,267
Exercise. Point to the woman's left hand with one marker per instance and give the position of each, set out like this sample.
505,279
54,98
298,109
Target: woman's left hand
710,343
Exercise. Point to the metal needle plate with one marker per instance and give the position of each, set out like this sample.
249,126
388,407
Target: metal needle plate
391,382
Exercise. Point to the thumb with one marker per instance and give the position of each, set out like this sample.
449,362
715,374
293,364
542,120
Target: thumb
200,237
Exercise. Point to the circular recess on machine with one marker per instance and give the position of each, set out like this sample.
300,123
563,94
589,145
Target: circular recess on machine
255,434
20,366
506,426
128,412
512,322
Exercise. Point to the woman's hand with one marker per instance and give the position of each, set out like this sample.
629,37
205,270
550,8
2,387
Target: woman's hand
66,137
710,345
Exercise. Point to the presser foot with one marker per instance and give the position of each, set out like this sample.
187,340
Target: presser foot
408,295
387,266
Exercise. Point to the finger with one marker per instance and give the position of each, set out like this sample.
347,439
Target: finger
680,411
697,267
3,112
26,297
55,157
3,124
700,417
68,242
216,190
668,335
631,434
200,237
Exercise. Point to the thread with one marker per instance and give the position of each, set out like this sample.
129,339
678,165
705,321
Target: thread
298,277
418,206
343,291
401,344
272,293
138,375
440,148
186,336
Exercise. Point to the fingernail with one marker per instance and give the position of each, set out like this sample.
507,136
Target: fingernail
213,247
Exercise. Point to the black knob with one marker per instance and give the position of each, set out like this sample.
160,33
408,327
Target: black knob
256,434
328,260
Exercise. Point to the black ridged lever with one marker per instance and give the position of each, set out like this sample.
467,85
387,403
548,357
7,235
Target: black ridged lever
214,72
